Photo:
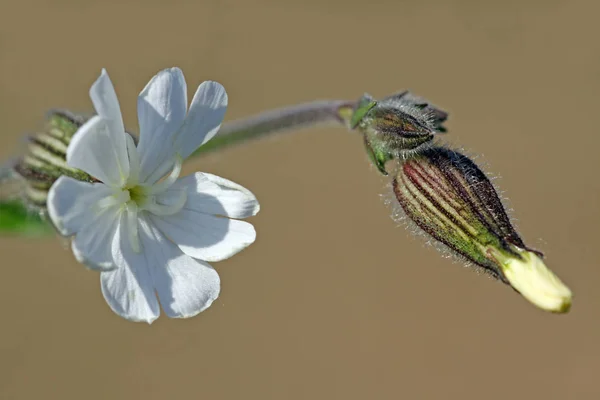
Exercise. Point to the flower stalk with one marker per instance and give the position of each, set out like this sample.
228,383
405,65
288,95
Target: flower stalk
279,120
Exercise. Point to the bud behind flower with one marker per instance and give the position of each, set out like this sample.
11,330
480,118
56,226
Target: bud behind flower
452,200
45,160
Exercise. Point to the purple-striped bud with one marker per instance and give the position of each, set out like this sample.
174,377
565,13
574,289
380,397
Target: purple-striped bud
453,201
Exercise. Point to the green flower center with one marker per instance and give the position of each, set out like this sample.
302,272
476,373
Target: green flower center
138,194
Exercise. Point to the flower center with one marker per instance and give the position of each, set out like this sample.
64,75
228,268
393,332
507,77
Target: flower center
137,194
134,198
156,199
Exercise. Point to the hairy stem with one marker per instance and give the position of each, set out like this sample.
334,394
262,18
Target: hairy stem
282,119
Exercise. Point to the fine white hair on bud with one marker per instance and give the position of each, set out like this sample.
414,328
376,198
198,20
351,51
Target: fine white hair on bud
395,127
453,202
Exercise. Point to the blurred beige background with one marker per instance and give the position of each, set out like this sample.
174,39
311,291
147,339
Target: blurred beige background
334,301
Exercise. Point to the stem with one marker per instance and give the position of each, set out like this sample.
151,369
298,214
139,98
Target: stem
281,119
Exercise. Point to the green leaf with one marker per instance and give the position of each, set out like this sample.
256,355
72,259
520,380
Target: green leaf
16,219
365,104
378,157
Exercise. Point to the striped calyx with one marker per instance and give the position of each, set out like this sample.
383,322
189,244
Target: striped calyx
45,159
453,201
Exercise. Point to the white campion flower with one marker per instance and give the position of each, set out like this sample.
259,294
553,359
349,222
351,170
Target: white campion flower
151,236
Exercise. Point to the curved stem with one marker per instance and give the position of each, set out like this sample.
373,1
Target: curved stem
281,119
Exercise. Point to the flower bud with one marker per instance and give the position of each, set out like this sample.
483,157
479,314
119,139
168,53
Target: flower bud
395,125
452,200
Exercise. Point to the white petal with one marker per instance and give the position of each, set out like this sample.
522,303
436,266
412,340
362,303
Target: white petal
205,237
204,117
162,106
185,286
129,289
92,246
96,150
70,203
107,105
134,161
210,194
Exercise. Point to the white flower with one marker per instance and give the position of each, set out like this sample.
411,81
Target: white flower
150,236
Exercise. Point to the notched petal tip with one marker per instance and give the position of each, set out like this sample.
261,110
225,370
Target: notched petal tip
134,318
173,71
148,320
204,118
